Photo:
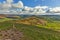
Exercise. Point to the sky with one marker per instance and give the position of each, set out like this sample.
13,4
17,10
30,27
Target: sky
30,6
32,3
50,3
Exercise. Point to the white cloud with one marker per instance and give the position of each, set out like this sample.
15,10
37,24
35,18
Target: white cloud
18,5
40,9
7,5
9,1
26,8
43,7
34,10
55,10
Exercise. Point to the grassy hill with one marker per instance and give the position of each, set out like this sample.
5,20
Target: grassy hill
41,21
32,28
37,33
32,21
31,32
46,21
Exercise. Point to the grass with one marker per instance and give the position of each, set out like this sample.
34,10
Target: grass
31,32
37,33
51,25
5,25
4,19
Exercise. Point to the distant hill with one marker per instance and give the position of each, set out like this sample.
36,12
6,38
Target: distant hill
33,20
46,21
46,17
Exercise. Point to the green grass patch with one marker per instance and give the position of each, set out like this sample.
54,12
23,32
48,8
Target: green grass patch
37,33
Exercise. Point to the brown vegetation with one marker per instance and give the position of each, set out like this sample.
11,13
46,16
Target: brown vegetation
32,21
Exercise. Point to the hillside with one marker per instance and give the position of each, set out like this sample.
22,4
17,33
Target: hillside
30,28
41,21
45,17
46,21
15,31
37,33
32,21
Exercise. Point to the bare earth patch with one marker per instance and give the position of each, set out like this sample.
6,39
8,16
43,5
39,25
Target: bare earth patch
11,34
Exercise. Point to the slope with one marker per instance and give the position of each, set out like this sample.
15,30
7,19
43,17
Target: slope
29,32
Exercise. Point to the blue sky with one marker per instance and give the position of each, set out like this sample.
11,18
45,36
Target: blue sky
32,3
51,3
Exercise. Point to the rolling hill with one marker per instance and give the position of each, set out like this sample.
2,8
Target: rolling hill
15,31
30,28
32,21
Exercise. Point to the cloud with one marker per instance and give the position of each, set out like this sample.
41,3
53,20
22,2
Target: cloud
44,7
9,7
26,8
55,10
18,5
34,10
6,6
40,9
9,1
